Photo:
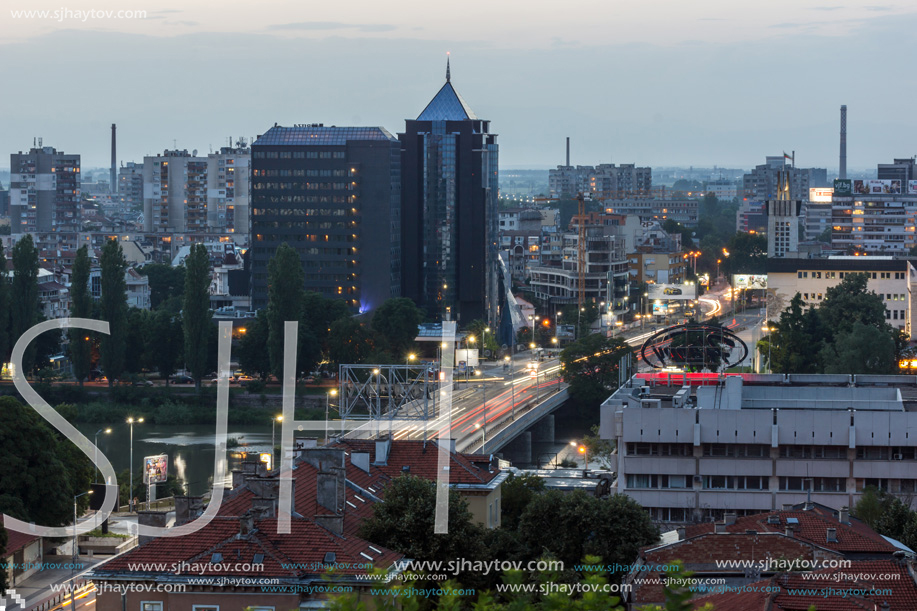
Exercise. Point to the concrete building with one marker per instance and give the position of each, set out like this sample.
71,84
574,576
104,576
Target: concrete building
130,186
890,278
228,189
761,184
873,216
783,227
681,210
752,217
333,194
693,449
604,181
723,189
45,191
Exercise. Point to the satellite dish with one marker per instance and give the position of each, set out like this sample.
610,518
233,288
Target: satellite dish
194,153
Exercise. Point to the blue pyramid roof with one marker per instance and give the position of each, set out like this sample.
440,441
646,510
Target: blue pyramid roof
447,105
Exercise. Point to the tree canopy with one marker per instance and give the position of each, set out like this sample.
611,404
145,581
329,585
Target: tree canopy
590,367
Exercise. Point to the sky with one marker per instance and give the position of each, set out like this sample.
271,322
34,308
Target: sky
659,83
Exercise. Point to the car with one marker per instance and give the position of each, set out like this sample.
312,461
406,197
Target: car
671,290
142,383
182,379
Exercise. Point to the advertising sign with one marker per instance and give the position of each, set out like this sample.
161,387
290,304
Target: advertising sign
660,309
749,281
467,356
912,186
566,331
843,186
155,469
821,195
671,291
704,280
876,187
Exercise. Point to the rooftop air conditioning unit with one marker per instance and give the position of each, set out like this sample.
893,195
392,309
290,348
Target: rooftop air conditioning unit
899,456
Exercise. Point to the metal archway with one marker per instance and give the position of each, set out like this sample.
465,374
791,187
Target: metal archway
716,342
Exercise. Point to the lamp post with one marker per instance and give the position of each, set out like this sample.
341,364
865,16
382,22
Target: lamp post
411,358
76,547
484,395
331,393
556,316
274,421
477,425
131,422
582,449
106,431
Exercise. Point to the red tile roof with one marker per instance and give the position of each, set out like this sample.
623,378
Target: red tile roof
813,526
865,584
16,540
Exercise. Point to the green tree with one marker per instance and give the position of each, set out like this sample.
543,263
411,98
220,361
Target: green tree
600,450
398,322
114,310
285,299
797,337
849,302
861,349
42,471
516,494
165,282
570,526
5,339
403,522
253,358
24,308
164,336
590,366
318,312
747,254
196,314
80,307
350,342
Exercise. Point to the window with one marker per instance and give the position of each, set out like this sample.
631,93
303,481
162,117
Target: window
872,453
151,605
205,608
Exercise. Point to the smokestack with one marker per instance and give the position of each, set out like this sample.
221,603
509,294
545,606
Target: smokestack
568,151
113,188
842,168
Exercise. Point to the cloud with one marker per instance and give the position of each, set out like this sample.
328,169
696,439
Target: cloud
315,26
184,23
878,8
827,8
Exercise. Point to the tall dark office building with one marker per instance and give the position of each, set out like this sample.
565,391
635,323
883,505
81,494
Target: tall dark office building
449,210
334,194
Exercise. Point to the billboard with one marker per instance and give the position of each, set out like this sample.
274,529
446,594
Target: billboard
671,291
912,186
877,187
155,469
467,356
821,195
749,281
566,331
660,309
843,186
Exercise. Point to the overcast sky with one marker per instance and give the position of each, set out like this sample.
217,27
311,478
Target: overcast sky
709,82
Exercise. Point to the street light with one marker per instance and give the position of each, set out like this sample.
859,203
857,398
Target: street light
331,393
411,358
131,422
582,449
76,547
106,431
274,421
477,425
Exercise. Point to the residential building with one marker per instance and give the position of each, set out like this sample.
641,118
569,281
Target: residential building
723,189
681,210
771,546
752,217
694,446
449,235
604,181
761,184
130,186
45,192
228,189
137,289
873,216
333,194
890,278
900,169
22,557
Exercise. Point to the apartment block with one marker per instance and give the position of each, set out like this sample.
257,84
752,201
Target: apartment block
604,181
44,191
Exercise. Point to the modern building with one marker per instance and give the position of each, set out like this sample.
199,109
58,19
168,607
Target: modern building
874,216
333,194
681,210
752,217
604,181
890,278
783,227
44,191
695,446
449,237
900,169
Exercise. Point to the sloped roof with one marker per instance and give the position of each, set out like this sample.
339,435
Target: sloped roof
16,540
447,105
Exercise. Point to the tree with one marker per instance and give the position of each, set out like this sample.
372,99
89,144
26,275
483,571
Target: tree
24,298
165,282
196,315
570,526
861,349
114,310
398,322
516,494
590,366
138,359
403,522
5,339
42,471
81,307
253,358
747,254
164,336
600,450
798,336
350,342
849,302
285,299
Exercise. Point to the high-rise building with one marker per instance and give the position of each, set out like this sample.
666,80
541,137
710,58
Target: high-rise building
761,183
333,194
449,216
604,181
130,185
185,193
44,191
901,169
783,220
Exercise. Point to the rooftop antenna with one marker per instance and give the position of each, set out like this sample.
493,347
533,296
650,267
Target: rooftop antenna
448,72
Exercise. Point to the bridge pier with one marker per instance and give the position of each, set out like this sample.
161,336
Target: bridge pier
543,430
519,450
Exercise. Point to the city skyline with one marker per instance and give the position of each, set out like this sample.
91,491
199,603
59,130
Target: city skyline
734,86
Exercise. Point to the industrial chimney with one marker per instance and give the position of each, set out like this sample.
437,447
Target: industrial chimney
568,151
842,168
113,188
